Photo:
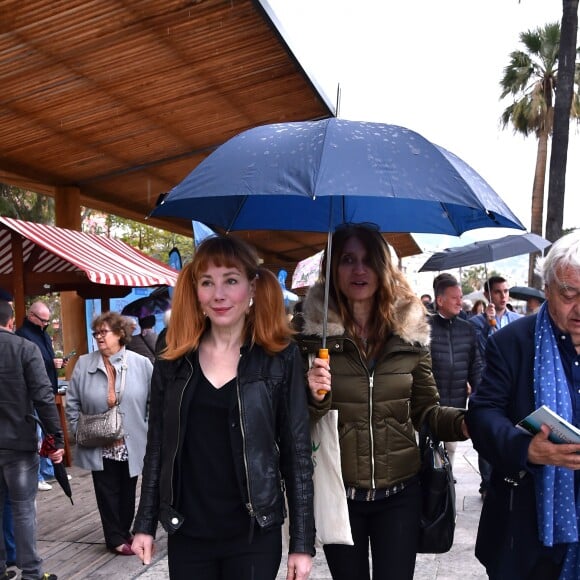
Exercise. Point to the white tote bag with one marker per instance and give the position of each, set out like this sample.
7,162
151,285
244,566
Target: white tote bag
330,508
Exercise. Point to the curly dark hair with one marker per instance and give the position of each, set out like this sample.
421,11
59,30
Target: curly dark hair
120,325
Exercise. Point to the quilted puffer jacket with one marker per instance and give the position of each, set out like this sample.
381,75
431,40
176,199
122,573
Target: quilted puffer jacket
456,358
270,439
379,411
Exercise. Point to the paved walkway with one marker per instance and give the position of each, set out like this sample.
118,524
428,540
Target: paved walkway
459,562
71,542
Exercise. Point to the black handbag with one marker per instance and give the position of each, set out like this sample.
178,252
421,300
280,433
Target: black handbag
438,513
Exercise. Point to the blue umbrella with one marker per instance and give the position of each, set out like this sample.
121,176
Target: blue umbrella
313,175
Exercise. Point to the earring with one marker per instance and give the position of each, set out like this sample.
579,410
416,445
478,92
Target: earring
251,302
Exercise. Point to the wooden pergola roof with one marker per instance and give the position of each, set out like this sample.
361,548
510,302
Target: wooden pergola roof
123,99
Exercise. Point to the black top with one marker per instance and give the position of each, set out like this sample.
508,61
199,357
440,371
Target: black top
210,498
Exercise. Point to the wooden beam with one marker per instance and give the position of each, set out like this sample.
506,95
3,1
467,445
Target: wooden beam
72,307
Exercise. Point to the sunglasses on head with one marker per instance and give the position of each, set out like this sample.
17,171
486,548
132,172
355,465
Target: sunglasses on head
367,225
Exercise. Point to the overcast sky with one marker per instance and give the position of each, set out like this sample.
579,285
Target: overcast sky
434,67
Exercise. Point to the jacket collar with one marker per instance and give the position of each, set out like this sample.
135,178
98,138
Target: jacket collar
41,331
96,361
410,322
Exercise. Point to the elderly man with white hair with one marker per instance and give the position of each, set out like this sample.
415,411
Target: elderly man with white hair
529,526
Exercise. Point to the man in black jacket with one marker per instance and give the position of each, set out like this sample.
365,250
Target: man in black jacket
457,363
24,388
34,329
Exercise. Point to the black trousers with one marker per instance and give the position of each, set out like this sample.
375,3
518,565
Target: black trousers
485,472
225,559
392,526
115,492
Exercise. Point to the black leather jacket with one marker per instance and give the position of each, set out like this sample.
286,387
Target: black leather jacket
270,440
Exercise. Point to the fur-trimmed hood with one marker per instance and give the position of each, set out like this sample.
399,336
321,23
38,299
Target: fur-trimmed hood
410,318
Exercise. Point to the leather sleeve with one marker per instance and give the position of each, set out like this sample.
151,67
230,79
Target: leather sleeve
296,457
148,511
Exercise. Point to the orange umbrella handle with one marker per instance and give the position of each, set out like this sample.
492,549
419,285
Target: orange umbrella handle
323,353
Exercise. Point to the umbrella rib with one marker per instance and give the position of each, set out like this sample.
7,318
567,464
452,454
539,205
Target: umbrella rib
319,164
236,214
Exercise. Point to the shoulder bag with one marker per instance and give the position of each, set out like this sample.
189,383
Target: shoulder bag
105,428
438,514
330,506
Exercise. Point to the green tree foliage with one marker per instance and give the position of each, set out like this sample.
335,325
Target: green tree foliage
26,205
473,279
531,78
152,241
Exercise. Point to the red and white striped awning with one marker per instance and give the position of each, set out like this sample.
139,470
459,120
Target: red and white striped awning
56,259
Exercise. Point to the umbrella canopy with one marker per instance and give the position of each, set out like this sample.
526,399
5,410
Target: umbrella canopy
485,251
313,175
156,303
525,293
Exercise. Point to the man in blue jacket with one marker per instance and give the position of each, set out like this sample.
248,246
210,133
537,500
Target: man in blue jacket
530,517
24,389
497,314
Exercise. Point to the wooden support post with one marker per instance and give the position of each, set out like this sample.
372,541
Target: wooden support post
18,278
68,215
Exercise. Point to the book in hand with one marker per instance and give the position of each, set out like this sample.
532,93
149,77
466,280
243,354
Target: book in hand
562,430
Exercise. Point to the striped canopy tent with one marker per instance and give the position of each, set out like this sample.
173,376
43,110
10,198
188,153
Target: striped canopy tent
36,259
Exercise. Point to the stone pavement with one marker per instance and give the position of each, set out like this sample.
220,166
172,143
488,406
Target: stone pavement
459,562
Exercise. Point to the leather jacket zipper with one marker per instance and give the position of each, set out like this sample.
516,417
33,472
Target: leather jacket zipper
249,505
179,428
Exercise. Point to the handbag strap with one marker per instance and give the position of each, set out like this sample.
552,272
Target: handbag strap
425,436
119,395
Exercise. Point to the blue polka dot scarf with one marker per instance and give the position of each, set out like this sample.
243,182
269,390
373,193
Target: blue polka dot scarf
558,512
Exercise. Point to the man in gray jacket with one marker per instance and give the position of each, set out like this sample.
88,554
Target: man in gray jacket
24,388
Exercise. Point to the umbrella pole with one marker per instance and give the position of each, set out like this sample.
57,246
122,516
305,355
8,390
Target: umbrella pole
326,292
323,352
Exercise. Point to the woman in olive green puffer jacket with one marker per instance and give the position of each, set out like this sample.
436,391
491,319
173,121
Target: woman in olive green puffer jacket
380,381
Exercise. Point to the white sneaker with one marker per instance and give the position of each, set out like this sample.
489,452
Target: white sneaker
68,476
43,486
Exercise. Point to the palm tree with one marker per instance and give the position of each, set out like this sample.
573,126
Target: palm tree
531,78
566,98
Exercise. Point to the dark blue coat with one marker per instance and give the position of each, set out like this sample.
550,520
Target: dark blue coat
455,359
42,340
507,540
